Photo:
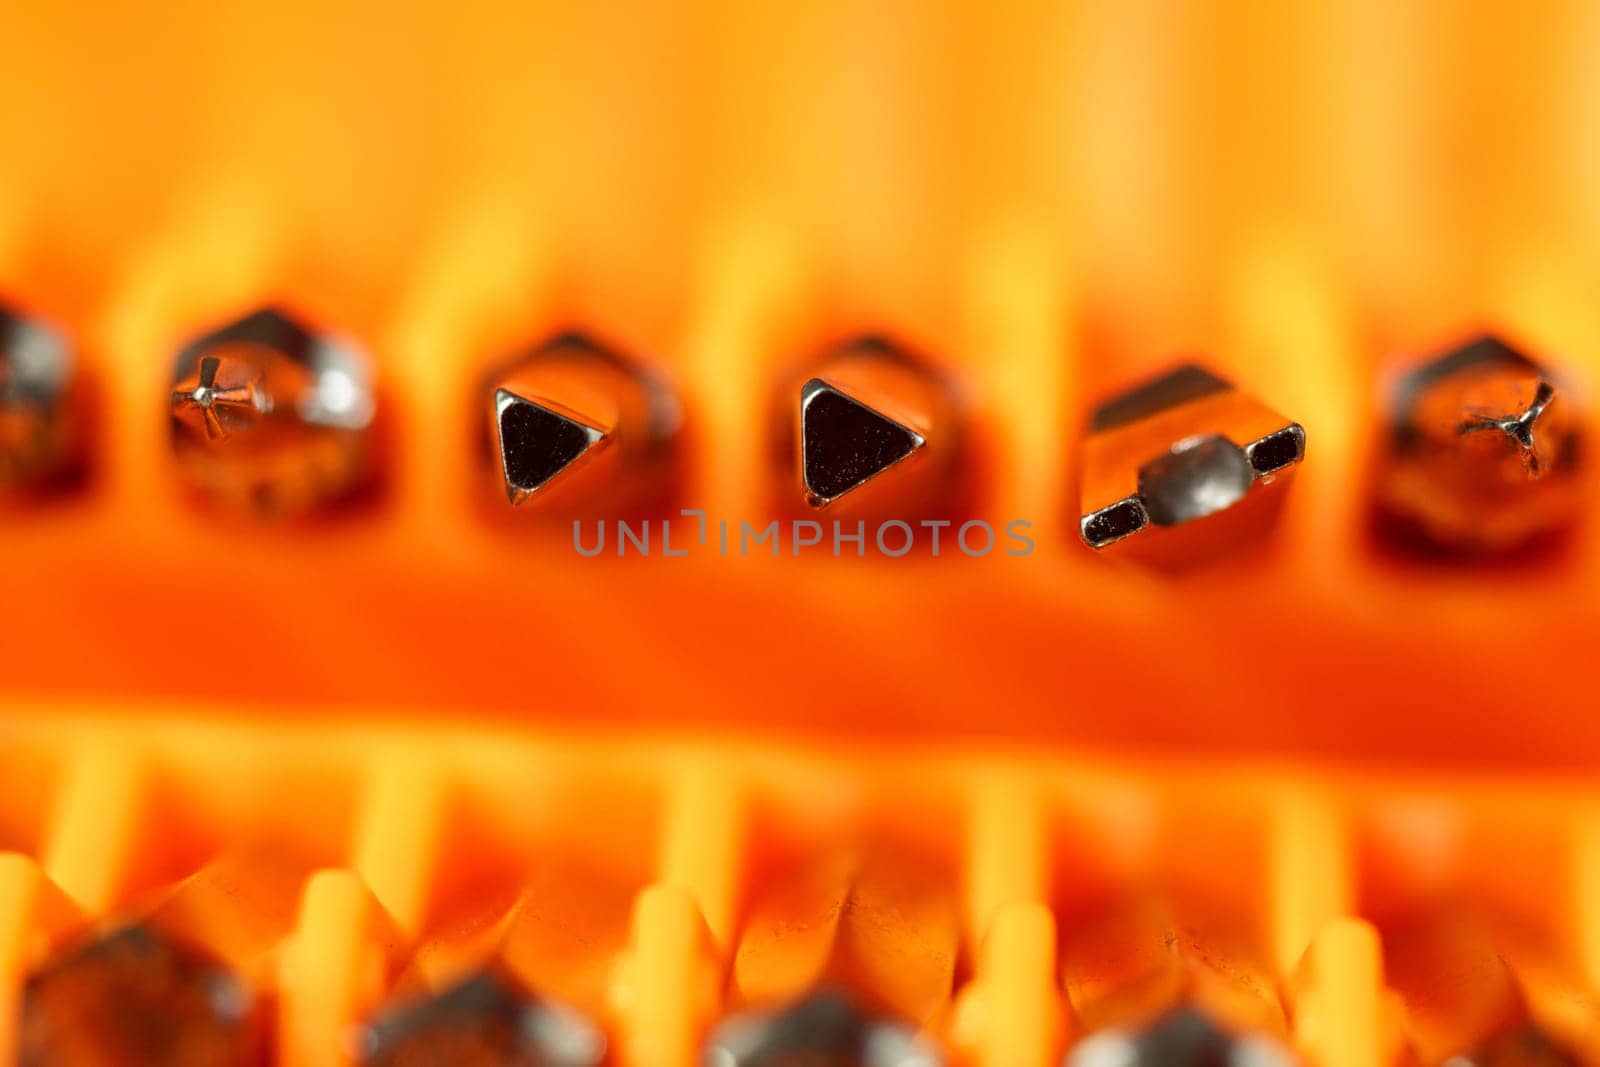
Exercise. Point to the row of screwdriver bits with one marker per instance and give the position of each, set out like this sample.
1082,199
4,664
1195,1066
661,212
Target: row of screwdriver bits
274,418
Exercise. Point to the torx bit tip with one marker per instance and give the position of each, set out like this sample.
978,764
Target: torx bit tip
844,443
537,441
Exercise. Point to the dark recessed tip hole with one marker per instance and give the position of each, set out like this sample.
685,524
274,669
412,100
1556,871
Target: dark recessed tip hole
1277,450
1113,523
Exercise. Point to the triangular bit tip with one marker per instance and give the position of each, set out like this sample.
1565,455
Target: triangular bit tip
845,443
537,443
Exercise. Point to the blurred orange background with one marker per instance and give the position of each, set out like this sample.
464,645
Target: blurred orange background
1051,198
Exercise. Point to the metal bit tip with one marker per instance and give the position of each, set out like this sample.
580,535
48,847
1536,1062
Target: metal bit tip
1518,427
825,1029
486,1018
1184,1038
1111,524
38,428
1492,387
1190,445
844,443
224,398
133,996
537,442
1483,454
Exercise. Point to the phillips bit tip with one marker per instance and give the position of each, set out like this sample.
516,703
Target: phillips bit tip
224,398
273,418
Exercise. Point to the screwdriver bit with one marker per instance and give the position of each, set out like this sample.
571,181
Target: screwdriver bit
135,997
825,1029
38,424
485,1020
1183,1038
1482,453
1180,452
216,407
875,428
573,421
272,419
